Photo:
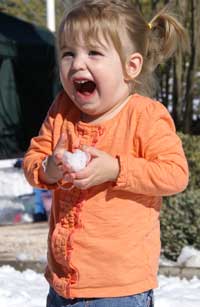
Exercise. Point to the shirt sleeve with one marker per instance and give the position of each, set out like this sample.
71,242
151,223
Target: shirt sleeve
160,167
40,147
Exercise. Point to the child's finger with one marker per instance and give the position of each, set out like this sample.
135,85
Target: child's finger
67,167
58,158
68,178
62,142
81,184
87,171
92,151
76,144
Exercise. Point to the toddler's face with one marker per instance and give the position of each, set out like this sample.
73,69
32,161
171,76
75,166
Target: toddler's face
93,77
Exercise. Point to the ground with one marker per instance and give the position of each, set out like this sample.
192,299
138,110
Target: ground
25,246
23,242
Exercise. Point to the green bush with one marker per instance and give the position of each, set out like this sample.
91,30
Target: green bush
180,214
191,145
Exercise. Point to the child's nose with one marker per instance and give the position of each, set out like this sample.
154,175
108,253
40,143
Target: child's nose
79,62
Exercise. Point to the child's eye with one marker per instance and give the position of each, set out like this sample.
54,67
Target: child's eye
94,52
67,54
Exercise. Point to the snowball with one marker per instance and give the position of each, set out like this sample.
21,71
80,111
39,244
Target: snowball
77,160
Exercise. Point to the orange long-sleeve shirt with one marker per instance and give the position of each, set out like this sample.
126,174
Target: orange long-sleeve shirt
105,241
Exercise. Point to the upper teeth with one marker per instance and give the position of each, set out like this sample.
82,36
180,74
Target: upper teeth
81,81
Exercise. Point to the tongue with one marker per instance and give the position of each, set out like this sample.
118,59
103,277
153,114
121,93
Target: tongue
86,87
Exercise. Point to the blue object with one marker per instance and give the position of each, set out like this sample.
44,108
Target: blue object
39,205
144,299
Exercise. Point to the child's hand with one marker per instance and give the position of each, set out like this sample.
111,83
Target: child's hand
55,168
102,168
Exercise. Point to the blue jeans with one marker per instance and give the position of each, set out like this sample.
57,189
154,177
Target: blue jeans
144,299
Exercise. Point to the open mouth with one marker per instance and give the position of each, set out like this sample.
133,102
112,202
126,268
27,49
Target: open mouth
85,87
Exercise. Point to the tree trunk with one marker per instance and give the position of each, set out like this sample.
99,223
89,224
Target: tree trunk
189,95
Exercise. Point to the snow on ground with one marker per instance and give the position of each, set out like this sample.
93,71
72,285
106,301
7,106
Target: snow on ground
7,163
12,180
15,193
173,292
22,289
189,257
29,289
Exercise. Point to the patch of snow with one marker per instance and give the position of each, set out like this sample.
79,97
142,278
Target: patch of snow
13,183
166,262
30,289
189,257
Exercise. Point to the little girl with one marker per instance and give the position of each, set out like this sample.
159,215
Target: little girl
104,232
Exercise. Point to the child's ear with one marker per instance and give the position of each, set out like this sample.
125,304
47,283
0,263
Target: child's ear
133,65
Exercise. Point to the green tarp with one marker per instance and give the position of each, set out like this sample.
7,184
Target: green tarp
28,82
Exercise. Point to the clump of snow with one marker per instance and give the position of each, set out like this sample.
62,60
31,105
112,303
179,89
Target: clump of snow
42,258
15,194
163,261
189,257
27,218
7,163
13,183
23,257
77,160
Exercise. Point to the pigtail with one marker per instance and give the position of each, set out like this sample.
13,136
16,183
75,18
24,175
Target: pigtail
166,36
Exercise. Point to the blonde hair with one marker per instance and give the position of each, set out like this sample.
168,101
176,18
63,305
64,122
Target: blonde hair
156,41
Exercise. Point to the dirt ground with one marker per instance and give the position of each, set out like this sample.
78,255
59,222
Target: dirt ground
25,246
23,242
